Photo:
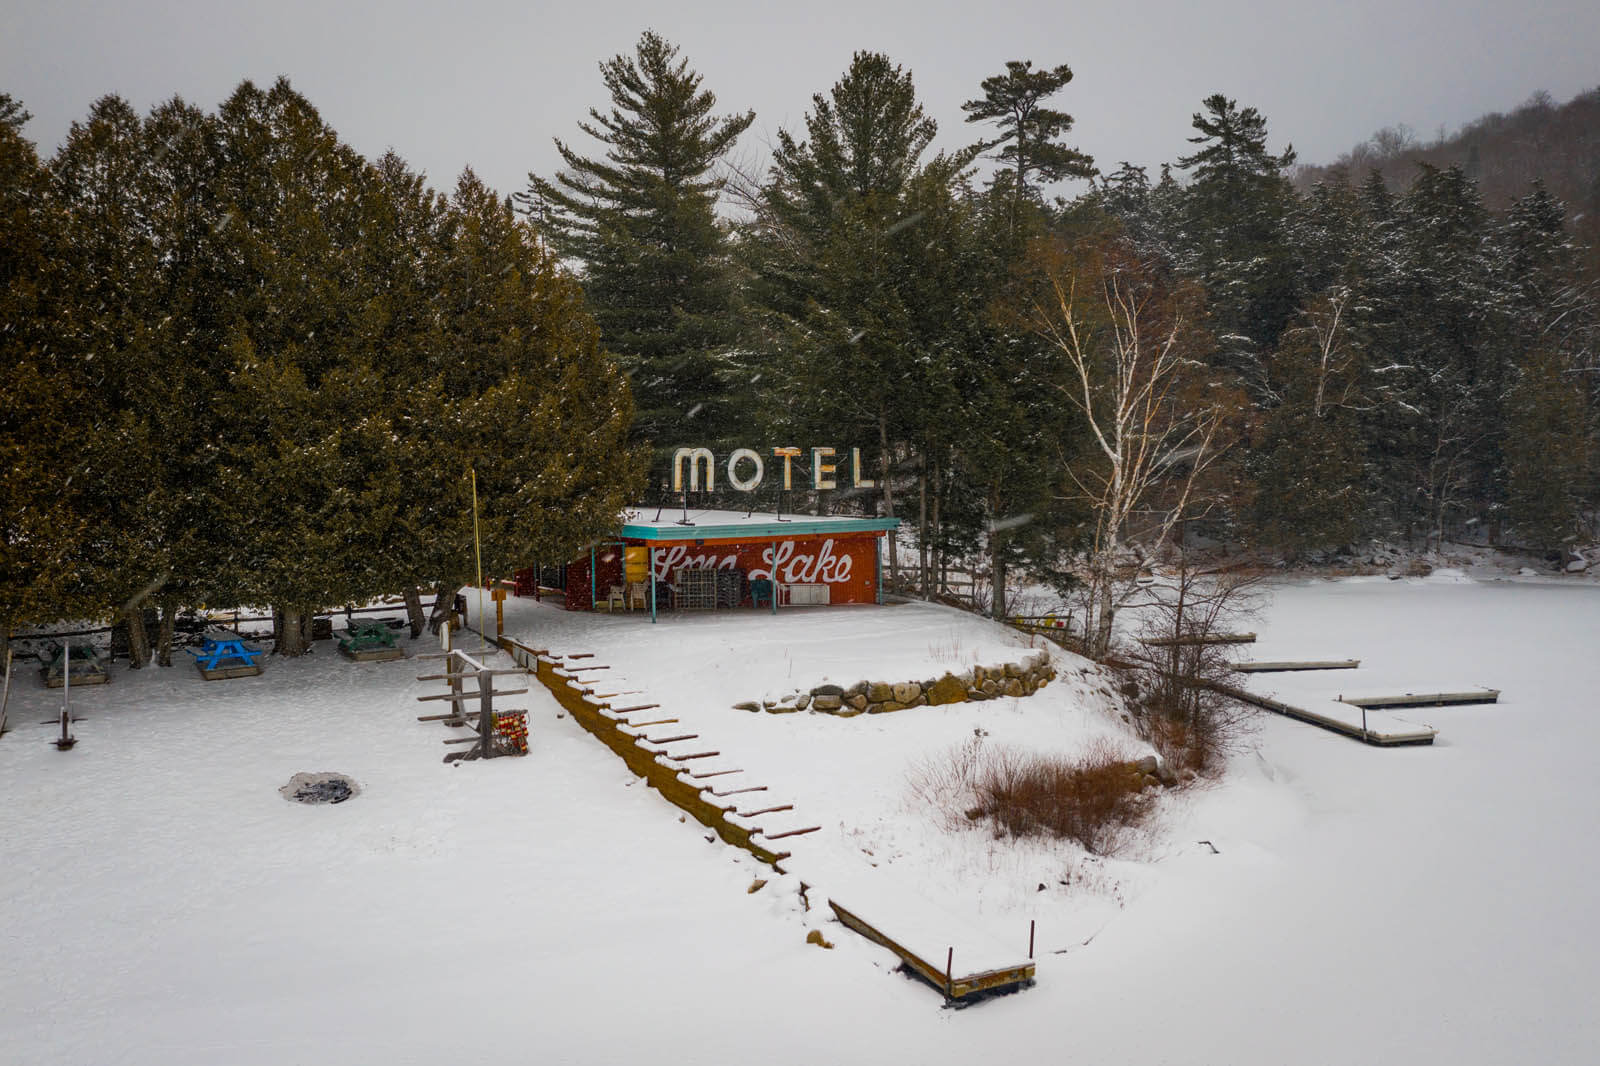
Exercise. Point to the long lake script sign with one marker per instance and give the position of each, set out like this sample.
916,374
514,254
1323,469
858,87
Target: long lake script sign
746,470
826,563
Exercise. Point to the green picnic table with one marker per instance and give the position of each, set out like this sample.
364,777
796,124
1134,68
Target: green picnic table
369,641
85,664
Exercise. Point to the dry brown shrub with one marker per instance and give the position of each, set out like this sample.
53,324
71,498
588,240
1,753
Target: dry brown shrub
1180,746
1094,799
944,783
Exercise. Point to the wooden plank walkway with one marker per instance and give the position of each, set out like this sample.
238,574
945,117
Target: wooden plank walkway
1425,699
1292,665
1210,638
1384,732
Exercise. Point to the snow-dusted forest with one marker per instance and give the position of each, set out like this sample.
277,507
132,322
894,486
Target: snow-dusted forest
245,363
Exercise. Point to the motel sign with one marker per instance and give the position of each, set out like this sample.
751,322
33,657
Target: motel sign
701,459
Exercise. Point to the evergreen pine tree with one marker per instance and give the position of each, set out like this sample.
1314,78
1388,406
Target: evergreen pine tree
1009,427
1309,453
45,523
102,177
642,223
13,114
851,256
1549,442
1436,340
300,352
1029,141
1236,232
532,406
1546,453
1149,216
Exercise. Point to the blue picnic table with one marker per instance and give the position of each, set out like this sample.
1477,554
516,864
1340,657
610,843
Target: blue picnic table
217,650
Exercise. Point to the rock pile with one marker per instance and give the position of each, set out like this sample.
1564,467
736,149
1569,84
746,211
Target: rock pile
879,697
1150,772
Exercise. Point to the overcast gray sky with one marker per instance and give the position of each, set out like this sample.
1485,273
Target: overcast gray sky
488,83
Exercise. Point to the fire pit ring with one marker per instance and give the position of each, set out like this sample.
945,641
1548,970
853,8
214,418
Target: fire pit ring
318,789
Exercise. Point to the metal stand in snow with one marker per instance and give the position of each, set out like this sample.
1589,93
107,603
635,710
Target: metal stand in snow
66,740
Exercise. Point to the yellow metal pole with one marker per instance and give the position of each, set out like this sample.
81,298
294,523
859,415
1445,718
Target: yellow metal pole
477,545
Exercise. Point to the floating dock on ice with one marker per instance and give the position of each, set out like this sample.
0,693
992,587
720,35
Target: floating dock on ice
1293,665
1378,728
1425,698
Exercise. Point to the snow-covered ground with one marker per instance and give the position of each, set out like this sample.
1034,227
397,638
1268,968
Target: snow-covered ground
849,776
161,903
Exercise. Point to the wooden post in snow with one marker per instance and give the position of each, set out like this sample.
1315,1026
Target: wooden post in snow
5,699
485,713
66,740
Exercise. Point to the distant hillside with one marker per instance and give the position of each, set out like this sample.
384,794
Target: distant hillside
1559,144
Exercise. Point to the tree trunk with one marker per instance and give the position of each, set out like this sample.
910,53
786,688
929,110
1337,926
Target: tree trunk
939,577
1177,628
138,638
922,532
5,647
1105,565
997,561
887,489
997,566
169,613
1102,632
443,602
414,613
291,634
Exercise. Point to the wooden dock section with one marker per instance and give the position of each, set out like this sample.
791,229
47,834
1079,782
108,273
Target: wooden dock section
1209,638
962,961
955,984
1293,665
1424,699
1387,733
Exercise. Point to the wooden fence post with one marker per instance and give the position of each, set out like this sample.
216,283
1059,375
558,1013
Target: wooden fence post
485,711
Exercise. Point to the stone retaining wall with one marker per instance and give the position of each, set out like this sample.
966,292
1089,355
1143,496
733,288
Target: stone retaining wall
879,697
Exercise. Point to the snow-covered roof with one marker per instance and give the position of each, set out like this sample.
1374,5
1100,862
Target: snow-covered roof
671,523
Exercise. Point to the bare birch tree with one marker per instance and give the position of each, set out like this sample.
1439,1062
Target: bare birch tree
1128,345
1182,707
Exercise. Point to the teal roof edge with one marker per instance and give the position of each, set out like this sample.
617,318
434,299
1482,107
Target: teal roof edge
800,525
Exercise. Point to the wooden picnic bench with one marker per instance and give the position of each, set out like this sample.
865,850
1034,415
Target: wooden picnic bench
370,641
224,656
86,664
